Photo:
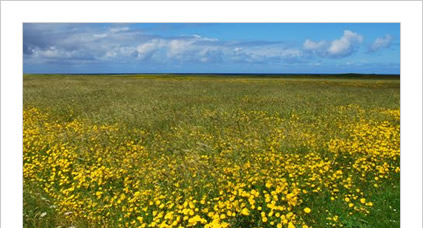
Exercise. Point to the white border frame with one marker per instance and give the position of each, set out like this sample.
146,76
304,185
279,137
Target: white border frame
409,14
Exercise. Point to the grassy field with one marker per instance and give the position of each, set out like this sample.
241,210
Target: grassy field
187,151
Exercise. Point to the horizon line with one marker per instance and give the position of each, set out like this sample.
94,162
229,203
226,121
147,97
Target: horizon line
193,73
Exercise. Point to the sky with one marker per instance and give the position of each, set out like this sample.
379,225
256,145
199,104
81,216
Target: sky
211,48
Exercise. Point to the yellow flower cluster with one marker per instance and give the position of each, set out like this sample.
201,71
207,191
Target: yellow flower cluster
264,171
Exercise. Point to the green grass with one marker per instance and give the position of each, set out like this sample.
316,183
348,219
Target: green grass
215,106
154,102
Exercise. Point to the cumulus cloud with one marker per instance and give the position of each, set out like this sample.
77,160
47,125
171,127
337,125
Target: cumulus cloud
342,47
381,42
346,45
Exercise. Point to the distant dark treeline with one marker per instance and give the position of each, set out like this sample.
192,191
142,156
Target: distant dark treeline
335,76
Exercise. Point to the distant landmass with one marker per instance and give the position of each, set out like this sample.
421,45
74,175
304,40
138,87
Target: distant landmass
285,75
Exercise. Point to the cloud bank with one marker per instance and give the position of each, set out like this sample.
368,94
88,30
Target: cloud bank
44,43
104,46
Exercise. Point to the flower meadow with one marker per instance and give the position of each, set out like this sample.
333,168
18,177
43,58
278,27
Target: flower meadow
153,151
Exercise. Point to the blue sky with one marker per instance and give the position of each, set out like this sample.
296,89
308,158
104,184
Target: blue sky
212,48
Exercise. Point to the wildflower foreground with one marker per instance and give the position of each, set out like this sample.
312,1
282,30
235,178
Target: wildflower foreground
262,170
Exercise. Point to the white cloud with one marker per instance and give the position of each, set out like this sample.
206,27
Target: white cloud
344,46
381,42
177,47
149,47
311,45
